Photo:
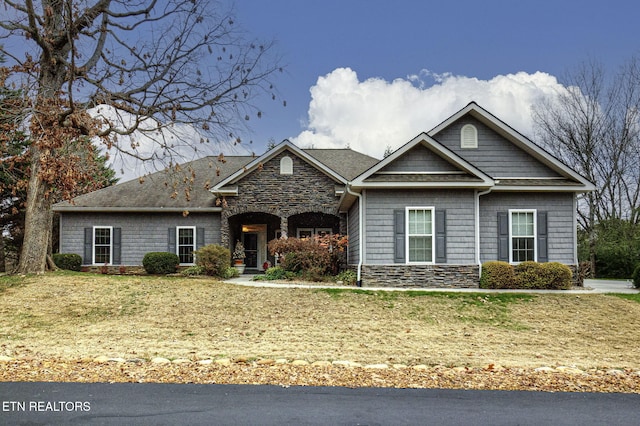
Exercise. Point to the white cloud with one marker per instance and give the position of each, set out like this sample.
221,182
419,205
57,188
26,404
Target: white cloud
370,115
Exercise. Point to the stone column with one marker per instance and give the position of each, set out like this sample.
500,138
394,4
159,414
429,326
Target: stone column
224,230
284,225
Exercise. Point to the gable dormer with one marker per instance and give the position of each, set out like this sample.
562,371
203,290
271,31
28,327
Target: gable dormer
423,163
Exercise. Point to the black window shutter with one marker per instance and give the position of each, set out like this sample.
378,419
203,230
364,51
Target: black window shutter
199,238
117,246
171,241
398,236
503,236
441,236
88,246
543,252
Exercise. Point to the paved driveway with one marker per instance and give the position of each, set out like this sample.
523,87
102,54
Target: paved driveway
610,286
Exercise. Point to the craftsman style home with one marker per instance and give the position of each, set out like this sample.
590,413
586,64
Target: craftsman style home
471,190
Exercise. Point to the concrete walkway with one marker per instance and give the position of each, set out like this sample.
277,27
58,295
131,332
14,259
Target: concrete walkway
590,287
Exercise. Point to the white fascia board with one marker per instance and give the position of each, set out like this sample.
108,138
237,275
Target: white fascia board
542,188
431,185
230,192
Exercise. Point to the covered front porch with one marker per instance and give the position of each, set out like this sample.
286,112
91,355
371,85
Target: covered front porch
256,229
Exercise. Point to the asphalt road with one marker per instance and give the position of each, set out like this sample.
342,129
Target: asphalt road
173,404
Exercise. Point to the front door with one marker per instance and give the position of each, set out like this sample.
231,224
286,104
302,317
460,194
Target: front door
250,249
254,238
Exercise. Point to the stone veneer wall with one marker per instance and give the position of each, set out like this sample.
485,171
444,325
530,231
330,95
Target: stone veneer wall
424,276
267,191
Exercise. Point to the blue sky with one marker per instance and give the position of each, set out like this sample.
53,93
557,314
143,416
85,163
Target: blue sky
371,58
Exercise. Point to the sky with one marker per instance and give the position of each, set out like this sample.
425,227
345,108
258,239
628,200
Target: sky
373,74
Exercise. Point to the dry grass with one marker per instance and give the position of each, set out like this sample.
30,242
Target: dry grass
81,316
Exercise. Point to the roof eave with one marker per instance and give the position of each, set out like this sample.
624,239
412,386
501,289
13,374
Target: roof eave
542,188
91,209
429,185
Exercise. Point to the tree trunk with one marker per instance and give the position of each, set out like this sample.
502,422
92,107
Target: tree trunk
33,258
3,259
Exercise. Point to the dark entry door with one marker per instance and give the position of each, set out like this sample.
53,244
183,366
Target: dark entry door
250,249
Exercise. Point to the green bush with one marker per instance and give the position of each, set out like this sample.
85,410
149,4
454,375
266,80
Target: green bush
275,273
160,262
529,275
348,277
556,275
191,271
526,275
543,276
214,259
496,274
636,276
230,272
68,261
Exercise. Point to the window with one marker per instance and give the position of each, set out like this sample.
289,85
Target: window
469,136
522,227
419,240
186,243
313,232
102,245
286,166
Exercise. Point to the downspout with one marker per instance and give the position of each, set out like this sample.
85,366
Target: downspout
477,218
360,234
575,232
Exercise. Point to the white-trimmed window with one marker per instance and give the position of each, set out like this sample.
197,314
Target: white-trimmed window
419,236
102,245
185,244
522,235
286,166
313,232
469,136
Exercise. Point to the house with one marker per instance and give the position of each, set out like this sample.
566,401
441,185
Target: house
471,190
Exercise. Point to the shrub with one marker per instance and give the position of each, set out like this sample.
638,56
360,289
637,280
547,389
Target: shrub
496,274
636,276
529,275
348,277
192,271
160,262
556,275
541,276
275,273
214,259
68,261
230,272
313,257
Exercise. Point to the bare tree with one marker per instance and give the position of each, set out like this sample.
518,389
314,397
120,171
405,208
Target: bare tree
594,126
141,68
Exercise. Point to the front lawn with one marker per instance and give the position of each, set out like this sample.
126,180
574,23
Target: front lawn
81,316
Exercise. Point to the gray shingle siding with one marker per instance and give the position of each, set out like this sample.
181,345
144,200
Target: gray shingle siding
495,155
141,233
420,159
460,235
559,208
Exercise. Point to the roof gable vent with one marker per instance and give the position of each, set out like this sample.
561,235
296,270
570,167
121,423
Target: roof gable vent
286,166
469,136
